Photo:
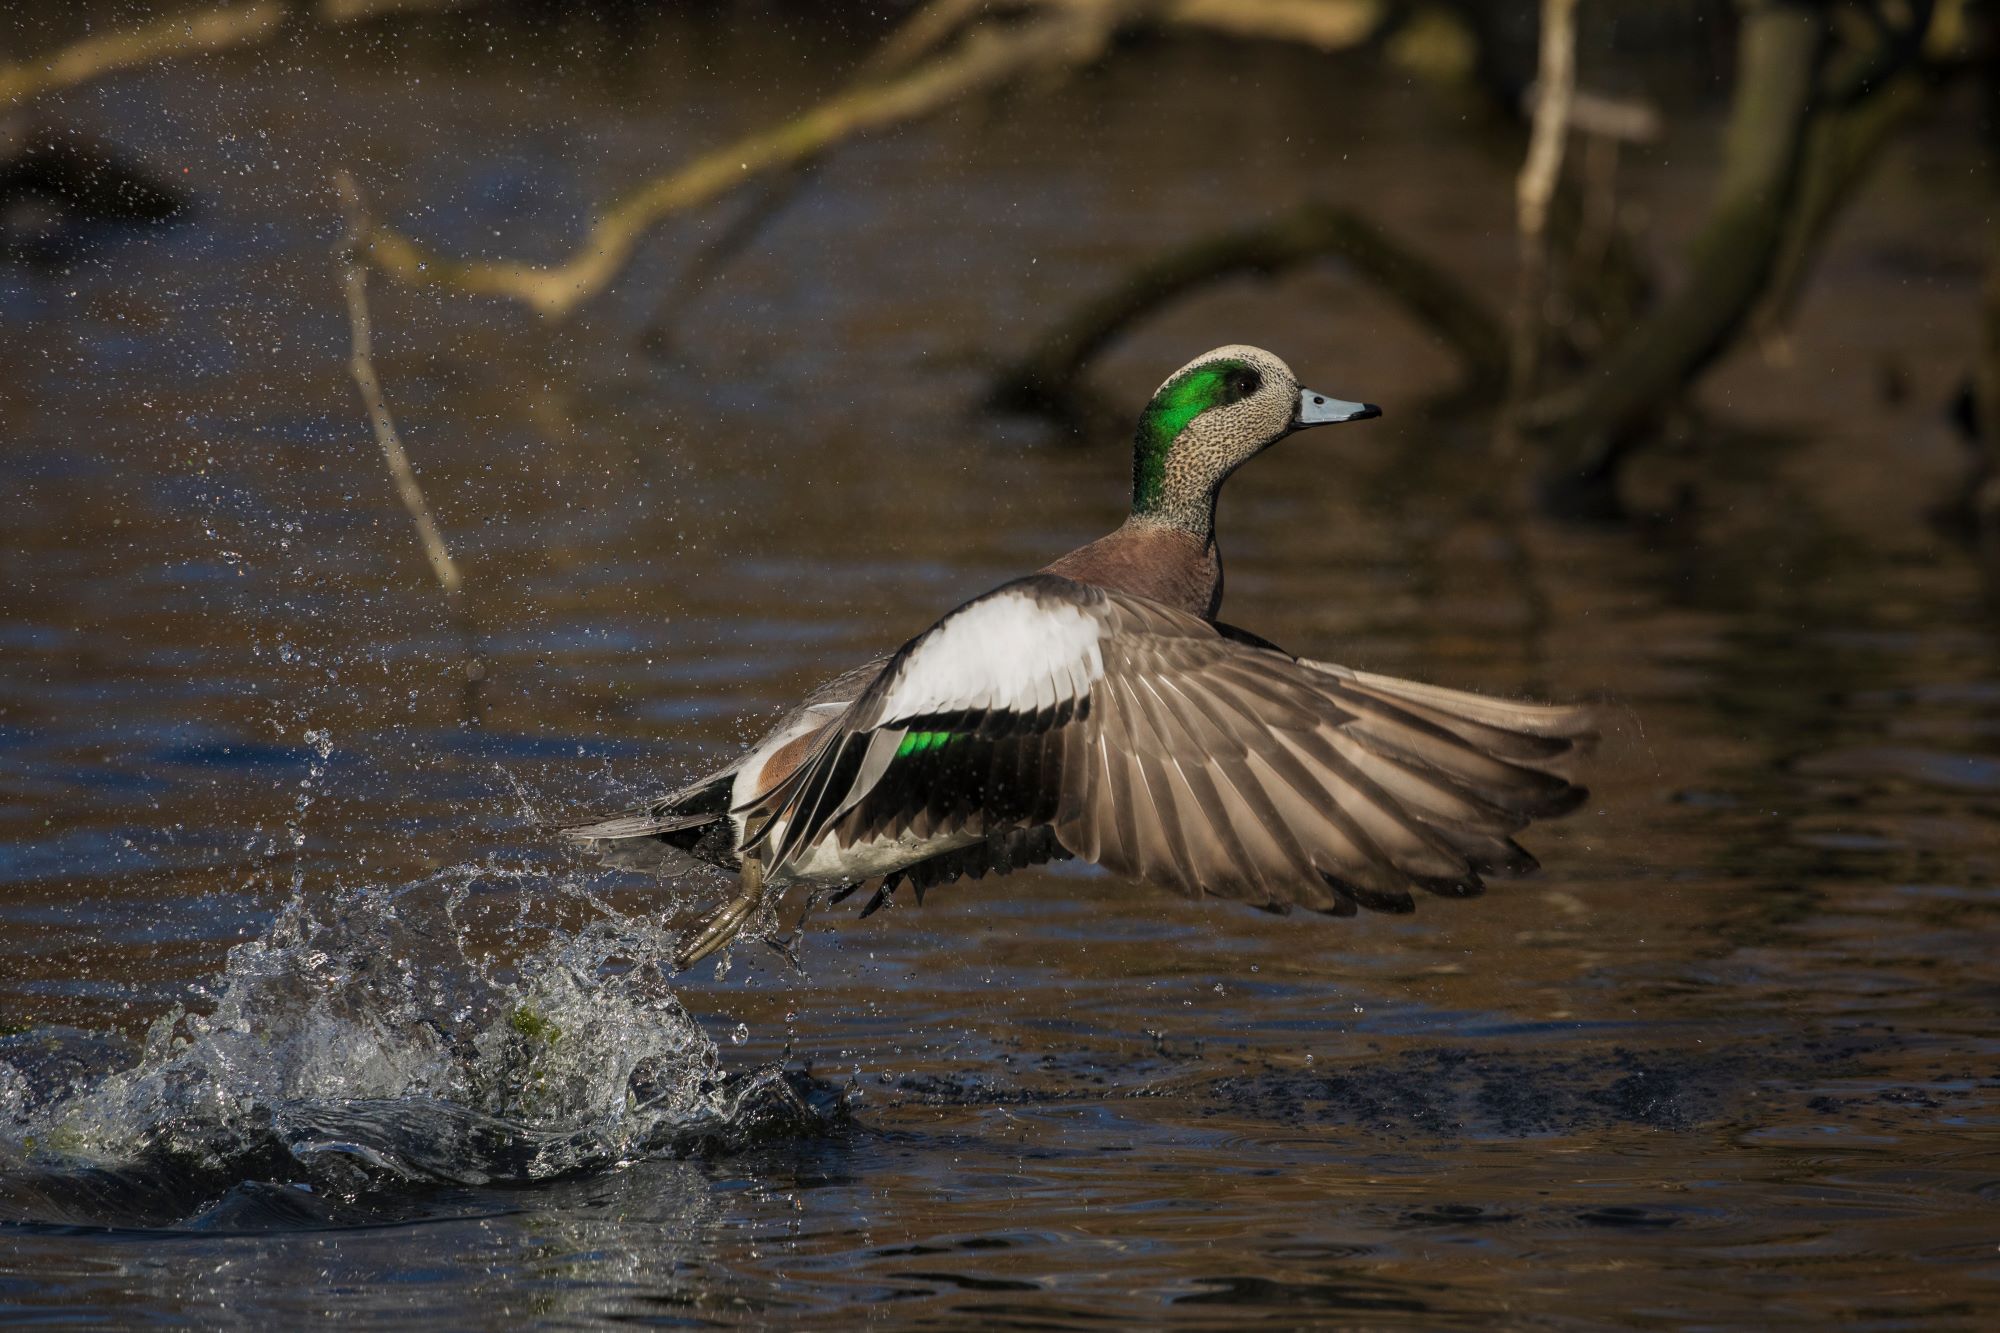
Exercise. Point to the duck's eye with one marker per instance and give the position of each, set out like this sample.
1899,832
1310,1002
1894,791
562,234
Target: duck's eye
1243,383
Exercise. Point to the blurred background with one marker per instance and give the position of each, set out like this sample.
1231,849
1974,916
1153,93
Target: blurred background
731,342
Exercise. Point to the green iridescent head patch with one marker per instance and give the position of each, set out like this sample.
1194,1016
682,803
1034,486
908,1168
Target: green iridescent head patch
1179,401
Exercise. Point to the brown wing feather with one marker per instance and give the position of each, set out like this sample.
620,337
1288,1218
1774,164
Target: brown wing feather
1260,777
1201,760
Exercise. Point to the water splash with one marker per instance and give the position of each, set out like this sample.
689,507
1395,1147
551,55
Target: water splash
373,1040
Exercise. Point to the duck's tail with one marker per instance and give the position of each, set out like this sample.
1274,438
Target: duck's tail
669,834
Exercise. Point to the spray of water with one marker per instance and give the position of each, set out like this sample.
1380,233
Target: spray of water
383,1039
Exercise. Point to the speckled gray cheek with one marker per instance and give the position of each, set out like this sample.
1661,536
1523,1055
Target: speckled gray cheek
1212,447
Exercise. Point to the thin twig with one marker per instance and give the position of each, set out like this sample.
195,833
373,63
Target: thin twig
361,364
923,32
354,280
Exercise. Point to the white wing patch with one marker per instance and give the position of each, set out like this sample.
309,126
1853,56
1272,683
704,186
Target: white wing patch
1007,651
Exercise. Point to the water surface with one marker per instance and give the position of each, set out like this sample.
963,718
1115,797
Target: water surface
309,1016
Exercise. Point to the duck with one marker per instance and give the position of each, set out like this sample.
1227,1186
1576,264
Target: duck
1097,709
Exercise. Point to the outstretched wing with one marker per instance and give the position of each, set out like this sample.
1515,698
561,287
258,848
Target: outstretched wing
1164,747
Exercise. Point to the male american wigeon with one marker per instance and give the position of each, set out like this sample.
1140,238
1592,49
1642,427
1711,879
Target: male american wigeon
1097,709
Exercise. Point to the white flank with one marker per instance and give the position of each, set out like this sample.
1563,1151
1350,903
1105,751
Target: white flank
827,863
1005,651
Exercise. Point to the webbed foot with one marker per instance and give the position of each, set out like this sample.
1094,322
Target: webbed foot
727,921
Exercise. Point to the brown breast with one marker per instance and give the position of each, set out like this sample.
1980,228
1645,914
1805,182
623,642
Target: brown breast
1150,560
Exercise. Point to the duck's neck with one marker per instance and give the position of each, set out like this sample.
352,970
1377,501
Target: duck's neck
1164,496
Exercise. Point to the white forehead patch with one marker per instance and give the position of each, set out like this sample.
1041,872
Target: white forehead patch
1005,651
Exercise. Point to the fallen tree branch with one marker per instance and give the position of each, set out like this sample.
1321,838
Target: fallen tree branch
361,364
1872,93
985,60
1048,381
1807,128
948,51
166,38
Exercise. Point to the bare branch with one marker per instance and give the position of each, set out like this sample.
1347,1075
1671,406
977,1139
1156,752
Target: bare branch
361,363
191,32
1330,25
923,32
1874,93
1555,89
351,11
957,54
984,60
176,35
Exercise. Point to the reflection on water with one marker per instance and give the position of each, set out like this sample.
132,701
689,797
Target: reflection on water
309,1015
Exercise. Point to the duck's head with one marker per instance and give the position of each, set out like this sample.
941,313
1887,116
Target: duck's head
1212,415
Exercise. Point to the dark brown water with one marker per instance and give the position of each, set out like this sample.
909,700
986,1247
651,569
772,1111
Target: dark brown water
310,1017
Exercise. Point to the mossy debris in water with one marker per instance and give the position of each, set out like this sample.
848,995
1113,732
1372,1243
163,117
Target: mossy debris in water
533,1026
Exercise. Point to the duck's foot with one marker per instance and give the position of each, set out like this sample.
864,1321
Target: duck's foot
727,921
